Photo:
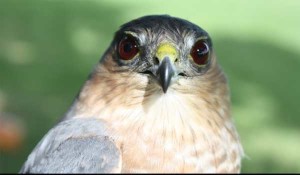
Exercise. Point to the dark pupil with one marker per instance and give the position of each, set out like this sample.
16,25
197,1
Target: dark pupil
128,47
201,51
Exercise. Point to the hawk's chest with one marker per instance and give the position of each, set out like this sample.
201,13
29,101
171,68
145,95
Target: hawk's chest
167,133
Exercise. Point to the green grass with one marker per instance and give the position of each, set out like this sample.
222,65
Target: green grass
47,49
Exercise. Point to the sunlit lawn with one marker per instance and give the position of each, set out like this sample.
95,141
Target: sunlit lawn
47,49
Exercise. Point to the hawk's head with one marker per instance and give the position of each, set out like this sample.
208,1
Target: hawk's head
153,57
163,50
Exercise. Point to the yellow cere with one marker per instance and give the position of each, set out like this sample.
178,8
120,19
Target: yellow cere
166,50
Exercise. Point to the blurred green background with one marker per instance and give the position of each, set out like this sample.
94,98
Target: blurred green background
47,49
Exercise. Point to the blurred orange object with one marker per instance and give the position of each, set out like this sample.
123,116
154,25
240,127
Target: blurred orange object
11,134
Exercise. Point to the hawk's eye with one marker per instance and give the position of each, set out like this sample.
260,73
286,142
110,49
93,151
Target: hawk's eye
128,48
200,52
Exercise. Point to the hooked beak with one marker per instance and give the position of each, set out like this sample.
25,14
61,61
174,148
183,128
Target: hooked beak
165,73
166,55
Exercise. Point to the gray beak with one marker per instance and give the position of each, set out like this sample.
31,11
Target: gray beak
165,73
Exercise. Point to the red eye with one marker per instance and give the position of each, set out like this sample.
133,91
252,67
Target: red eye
128,48
200,52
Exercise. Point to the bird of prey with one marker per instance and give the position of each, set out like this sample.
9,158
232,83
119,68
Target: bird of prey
157,101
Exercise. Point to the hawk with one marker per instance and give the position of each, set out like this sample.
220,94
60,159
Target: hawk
157,101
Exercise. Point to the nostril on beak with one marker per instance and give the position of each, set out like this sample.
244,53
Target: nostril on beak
156,61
